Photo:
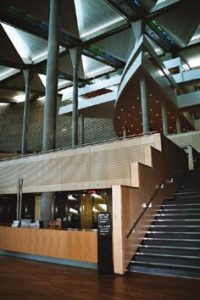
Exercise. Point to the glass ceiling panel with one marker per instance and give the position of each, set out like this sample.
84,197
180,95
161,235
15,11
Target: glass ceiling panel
6,72
31,48
95,17
93,67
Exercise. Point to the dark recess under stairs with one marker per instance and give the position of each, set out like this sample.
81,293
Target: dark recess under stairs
171,246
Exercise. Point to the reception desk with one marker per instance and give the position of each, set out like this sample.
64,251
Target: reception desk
75,246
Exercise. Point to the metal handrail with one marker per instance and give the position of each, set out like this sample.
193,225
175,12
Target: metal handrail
139,218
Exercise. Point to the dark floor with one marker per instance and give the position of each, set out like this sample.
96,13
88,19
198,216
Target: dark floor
23,279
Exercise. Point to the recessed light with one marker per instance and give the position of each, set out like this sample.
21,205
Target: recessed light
122,109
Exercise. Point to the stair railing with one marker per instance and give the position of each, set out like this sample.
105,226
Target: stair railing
147,206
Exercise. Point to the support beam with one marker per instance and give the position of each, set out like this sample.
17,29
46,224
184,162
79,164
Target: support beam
75,54
51,81
28,76
144,106
164,119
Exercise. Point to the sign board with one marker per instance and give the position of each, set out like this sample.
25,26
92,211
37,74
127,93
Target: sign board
105,261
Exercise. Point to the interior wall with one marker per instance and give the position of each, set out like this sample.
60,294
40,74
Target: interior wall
11,120
89,167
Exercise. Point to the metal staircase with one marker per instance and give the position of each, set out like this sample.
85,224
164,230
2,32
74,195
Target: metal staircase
172,244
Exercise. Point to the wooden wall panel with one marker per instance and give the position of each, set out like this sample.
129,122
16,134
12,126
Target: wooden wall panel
73,245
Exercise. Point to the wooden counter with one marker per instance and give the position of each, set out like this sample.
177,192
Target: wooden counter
64,244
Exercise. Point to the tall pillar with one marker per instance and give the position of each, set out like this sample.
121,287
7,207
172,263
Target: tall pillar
28,76
51,80
165,119
82,129
47,206
144,106
75,55
51,99
178,125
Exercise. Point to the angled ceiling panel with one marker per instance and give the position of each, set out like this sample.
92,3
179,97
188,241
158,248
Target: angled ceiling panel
94,17
8,51
182,21
65,66
125,43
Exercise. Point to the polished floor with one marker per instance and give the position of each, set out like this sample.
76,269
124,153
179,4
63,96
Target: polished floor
29,280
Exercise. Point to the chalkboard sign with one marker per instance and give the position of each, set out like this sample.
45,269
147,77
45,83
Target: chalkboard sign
105,263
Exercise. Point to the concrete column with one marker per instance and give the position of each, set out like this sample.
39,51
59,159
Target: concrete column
178,125
47,206
51,80
75,55
82,129
28,76
165,119
144,106
47,199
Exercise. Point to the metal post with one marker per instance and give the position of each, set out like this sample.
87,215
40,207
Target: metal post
178,125
144,106
82,129
75,54
165,119
51,99
51,80
28,76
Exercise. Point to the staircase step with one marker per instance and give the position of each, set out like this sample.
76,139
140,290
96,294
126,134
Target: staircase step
167,270
175,228
177,222
168,259
173,250
172,216
177,210
173,235
171,242
182,202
